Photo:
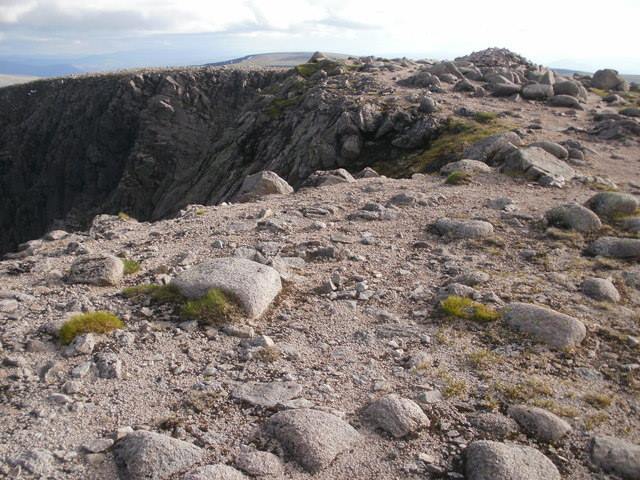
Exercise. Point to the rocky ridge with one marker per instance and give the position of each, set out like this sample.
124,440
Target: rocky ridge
425,327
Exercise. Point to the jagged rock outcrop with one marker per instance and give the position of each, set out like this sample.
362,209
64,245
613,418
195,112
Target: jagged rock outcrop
150,143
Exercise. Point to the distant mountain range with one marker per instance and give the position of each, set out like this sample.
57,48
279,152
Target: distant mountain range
14,69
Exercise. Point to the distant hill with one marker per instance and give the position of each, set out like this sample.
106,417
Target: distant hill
568,73
6,80
265,60
36,68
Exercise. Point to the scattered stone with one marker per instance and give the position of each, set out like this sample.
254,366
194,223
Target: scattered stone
254,285
553,148
616,456
565,101
259,464
108,365
494,426
460,229
556,329
262,184
367,172
466,166
537,91
215,472
146,455
97,269
311,437
98,445
600,289
574,217
487,460
396,415
540,423
324,178
37,461
267,395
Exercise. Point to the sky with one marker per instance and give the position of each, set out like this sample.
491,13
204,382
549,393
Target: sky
104,34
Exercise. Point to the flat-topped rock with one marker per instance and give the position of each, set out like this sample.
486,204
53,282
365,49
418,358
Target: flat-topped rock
267,394
615,247
324,178
540,423
146,455
96,269
459,229
542,324
252,284
534,163
616,456
487,460
396,415
573,216
311,437
487,149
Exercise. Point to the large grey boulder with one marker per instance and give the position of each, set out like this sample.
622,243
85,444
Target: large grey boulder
311,437
537,91
614,247
568,87
600,289
396,415
545,325
467,166
610,205
252,284
534,163
565,101
267,394
459,229
262,184
215,472
540,423
487,460
96,269
574,217
616,456
609,79
505,88
146,455
490,149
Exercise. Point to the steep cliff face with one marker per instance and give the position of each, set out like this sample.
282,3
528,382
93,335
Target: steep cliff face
151,143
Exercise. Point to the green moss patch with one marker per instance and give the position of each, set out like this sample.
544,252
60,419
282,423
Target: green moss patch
458,178
92,322
467,309
485,117
216,307
452,139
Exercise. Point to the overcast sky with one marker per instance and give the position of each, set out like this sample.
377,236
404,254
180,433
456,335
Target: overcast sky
569,33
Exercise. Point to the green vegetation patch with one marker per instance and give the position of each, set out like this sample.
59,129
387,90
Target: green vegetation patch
130,266
485,117
452,139
216,307
92,322
458,178
467,309
157,293
307,70
279,105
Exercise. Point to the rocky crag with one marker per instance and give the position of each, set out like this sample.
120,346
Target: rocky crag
476,319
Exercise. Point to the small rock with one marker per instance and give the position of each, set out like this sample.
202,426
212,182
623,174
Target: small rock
573,216
600,289
259,464
396,415
459,229
540,423
609,205
616,456
614,247
215,472
97,269
267,394
487,460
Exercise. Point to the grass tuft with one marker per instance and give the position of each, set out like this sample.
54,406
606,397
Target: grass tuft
458,178
216,307
467,309
92,322
157,293
130,266
598,400
125,217
484,359
485,117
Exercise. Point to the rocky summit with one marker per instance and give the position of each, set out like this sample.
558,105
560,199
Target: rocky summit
361,268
